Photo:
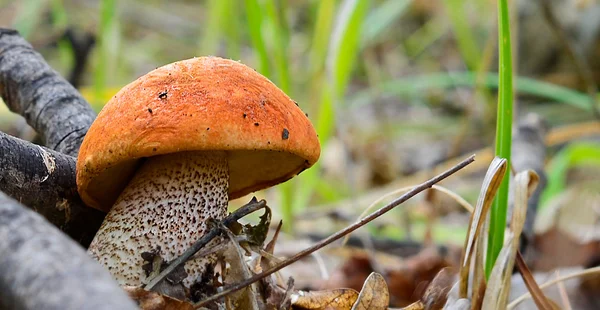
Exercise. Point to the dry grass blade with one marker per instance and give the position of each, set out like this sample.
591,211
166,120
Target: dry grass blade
461,201
534,289
525,184
589,271
490,186
479,281
496,295
374,294
496,291
499,285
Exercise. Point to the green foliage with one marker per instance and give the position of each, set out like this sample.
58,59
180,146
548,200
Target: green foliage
503,136
108,45
60,20
417,85
255,16
28,17
576,154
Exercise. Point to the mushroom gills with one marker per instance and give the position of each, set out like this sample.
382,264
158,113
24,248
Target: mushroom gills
163,210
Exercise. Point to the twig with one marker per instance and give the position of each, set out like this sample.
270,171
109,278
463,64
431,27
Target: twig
252,206
341,233
31,88
44,180
40,267
579,62
517,301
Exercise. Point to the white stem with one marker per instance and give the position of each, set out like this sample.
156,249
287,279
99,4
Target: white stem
165,206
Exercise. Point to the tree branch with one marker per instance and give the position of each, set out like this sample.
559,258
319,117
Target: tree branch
31,88
41,268
44,180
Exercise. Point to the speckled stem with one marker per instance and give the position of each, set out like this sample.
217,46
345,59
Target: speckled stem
165,206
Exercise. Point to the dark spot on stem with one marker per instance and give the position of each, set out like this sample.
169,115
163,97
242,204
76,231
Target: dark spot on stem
285,134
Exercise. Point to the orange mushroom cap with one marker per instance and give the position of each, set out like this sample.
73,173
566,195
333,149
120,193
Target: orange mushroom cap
199,104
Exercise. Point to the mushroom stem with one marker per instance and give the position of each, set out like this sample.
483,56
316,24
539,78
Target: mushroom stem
163,210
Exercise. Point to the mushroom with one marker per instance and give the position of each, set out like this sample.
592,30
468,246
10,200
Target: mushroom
173,147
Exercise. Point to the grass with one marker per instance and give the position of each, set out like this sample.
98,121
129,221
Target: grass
417,85
503,136
108,42
317,67
576,154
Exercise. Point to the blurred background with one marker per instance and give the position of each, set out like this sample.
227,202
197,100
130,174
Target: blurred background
397,90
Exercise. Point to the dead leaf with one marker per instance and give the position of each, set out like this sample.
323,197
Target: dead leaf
148,300
339,299
257,234
237,271
374,294
491,183
436,295
496,293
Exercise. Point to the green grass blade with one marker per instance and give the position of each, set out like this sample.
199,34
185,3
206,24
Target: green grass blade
322,32
344,43
108,42
381,18
28,16
254,16
341,59
232,27
60,20
465,39
503,136
573,155
278,28
216,12
418,84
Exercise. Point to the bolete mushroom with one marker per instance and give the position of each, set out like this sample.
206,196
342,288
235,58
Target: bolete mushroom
171,148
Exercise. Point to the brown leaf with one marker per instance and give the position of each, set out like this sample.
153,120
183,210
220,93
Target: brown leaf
238,271
374,294
148,300
491,183
437,292
257,234
338,299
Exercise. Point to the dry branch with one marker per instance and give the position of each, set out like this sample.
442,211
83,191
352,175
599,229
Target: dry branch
41,268
37,177
44,180
31,88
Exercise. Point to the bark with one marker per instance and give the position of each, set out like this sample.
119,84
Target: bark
44,180
40,268
31,88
